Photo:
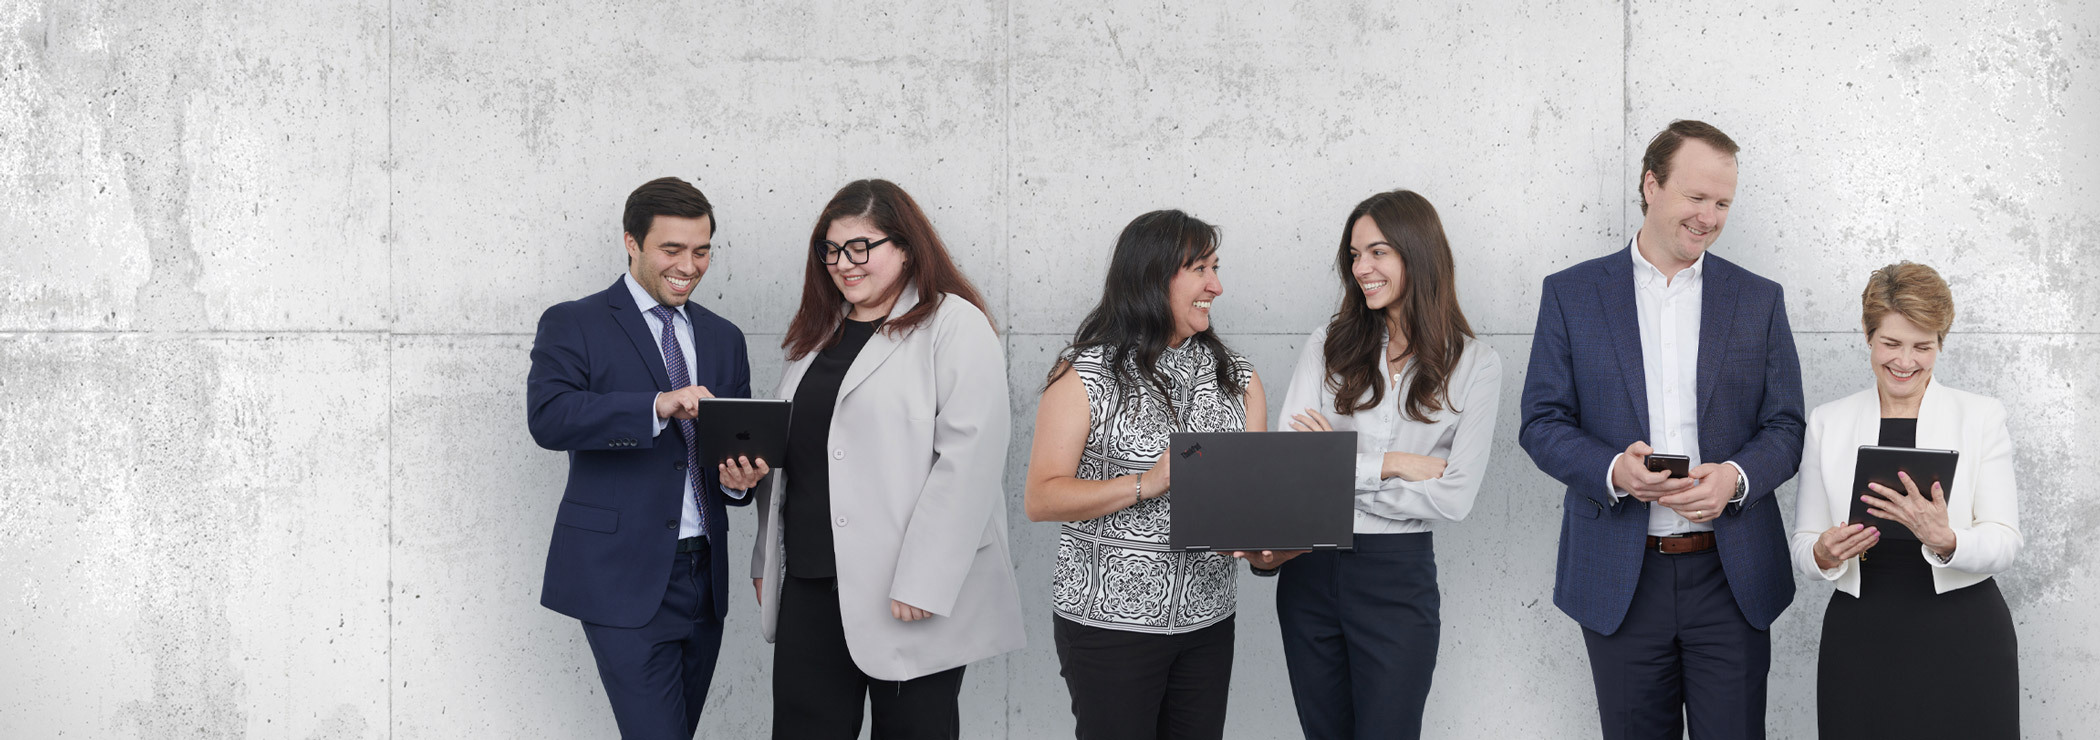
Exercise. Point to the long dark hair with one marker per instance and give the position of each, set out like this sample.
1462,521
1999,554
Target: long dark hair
1133,320
927,265
1435,328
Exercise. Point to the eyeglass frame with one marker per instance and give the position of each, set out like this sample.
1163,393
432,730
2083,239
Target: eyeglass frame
828,251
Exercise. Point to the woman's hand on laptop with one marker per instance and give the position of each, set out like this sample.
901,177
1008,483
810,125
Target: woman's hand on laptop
1267,559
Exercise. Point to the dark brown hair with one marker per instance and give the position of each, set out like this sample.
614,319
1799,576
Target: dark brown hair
1665,145
664,196
1911,289
1435,328
926,264
1133,321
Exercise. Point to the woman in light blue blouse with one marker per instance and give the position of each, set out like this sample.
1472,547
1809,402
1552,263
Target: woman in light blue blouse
1399,365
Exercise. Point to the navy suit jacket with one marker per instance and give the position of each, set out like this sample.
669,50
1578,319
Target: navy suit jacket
1586,399
596,371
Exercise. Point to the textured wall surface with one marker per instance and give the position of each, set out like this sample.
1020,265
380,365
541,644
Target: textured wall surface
271,271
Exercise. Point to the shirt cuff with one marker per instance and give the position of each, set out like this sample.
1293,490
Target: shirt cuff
660,421
1616,494
1370,471
1745,477
734,493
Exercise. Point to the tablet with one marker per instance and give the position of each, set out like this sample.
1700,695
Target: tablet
1879,465
1263,491
749,427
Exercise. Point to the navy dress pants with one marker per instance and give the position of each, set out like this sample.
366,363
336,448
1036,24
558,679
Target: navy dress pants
1360,632
657,675
1684,654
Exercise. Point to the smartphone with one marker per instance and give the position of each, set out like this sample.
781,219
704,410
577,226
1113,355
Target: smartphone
1678,465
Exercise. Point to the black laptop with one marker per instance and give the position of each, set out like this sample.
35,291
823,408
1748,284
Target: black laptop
743,427
1263,491
1880,464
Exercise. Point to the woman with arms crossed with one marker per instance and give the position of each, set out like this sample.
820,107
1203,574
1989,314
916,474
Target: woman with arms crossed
1144,634
1399,365
1905,625
881,559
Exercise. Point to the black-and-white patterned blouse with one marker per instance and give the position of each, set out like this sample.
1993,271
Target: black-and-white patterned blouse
1115,571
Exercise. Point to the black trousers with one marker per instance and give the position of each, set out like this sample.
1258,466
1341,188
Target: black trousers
1684,654
818,692
1360,632
657,675
1140,686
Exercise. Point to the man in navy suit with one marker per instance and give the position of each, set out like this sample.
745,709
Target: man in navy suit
1664,348
616,381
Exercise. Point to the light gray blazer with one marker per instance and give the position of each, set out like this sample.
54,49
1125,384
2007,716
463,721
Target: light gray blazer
918,462
1984,511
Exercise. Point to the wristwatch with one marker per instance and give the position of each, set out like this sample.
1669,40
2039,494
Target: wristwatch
1265,573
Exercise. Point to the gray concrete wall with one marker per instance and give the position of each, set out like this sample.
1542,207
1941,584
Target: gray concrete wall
271,270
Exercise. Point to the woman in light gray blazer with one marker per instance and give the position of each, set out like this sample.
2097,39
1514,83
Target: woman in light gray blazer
1912,621
881,561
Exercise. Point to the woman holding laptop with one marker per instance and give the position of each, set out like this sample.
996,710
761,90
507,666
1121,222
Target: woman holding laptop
1144,634
881,560
1916,642
1399,365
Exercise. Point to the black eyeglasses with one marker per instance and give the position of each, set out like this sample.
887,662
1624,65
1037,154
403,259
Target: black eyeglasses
856,250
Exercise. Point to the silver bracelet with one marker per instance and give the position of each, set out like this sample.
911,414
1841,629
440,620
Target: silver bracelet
1140,487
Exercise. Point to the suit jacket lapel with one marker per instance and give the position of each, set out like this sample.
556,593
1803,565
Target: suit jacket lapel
879,346
1716,318
629,317
1939,421
1622,317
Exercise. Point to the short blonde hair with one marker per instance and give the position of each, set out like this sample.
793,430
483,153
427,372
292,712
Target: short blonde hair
1910,289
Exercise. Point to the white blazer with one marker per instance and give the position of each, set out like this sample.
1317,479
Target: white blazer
918,463
1984,512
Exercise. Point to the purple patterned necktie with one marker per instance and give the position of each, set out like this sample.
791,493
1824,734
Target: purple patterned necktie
674,364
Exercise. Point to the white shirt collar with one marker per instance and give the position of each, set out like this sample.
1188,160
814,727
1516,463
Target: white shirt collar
1646,274
642,299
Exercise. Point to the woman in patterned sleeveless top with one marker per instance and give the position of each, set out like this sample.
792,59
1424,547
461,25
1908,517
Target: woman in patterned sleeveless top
1144,634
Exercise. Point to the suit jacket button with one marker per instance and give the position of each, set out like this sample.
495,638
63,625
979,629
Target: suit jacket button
680,465
670,524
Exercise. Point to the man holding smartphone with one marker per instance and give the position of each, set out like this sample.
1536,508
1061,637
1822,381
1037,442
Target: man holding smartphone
1664,392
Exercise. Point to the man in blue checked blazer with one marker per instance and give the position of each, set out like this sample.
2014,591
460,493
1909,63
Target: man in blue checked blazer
638,550
1661,348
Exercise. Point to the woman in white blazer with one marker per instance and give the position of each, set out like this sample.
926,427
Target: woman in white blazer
881,561
1929,622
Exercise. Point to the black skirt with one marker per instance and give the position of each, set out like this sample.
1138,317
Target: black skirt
1902,661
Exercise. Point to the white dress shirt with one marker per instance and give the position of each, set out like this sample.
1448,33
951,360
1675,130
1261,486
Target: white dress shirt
689,512
1669,310
1461,433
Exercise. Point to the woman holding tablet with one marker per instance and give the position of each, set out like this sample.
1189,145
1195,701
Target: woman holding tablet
1399,365
1903,623
1144,634
881,559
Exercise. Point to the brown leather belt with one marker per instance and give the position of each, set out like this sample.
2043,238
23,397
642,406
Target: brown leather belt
1683,543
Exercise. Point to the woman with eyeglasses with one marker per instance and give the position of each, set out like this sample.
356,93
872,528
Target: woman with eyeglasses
1144,634
1399,365
881,561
